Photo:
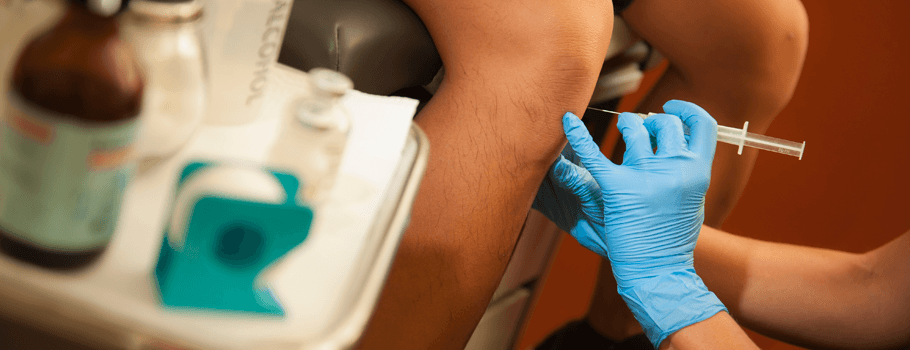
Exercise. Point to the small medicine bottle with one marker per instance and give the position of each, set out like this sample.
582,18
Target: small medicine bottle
66,141
314,135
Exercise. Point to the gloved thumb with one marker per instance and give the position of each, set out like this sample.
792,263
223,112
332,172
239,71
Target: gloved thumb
585,148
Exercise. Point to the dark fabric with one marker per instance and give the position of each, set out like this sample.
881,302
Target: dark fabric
579,335
620,5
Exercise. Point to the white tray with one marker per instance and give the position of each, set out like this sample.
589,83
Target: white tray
328,285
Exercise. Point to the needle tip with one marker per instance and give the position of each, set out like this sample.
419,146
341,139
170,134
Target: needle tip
603,110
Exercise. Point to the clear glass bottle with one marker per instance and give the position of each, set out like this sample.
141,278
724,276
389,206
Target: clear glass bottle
314,135
165,37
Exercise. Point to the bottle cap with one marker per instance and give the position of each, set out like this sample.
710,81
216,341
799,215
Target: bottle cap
326,89
172,11
327,81
104,8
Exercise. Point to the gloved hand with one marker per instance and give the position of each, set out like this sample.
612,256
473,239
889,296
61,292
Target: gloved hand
653,208
572,199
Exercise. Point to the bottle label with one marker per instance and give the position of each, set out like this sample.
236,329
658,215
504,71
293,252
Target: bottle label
61,181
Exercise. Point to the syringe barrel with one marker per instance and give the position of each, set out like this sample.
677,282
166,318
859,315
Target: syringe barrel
738,137
734,136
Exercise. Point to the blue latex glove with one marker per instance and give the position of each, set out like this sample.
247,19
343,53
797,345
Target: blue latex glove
653,208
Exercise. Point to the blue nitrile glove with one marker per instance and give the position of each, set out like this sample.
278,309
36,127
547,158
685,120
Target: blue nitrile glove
571,198
653,207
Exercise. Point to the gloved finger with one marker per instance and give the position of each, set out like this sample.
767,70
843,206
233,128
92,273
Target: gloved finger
586,237
702,127
546,194
585,148
556,204
669,133
638,141
575,178
569,154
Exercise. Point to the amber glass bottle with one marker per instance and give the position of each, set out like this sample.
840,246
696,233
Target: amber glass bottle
66,139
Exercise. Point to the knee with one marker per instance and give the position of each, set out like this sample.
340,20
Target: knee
756,67
781,55
549,63
574,54
567,42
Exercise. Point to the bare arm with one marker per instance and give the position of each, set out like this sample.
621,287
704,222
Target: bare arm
513,68
809,296
718,332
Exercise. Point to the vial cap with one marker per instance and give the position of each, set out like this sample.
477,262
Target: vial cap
172,11
330,82
104,8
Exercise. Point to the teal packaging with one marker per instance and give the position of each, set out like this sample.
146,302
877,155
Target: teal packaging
229,241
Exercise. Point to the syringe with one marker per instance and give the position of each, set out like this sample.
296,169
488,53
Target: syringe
741,138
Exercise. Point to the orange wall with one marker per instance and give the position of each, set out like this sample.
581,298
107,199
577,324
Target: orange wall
850,192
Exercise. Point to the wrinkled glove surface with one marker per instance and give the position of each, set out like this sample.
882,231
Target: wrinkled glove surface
652,210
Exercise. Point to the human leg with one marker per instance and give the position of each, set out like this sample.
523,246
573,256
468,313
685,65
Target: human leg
513,68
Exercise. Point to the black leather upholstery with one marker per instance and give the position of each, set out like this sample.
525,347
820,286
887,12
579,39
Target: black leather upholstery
380,44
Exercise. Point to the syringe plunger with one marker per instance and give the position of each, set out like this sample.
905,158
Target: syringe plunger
740,138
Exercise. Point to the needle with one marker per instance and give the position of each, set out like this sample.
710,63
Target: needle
604,110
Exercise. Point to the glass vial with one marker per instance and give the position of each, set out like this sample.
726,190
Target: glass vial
314,135
165,38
